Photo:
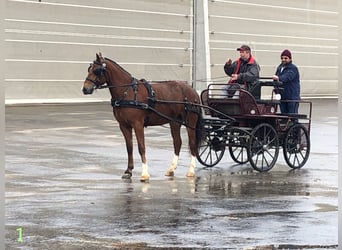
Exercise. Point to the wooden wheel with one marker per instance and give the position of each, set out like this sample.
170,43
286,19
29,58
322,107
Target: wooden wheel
263,147
296,148
238,145
212,149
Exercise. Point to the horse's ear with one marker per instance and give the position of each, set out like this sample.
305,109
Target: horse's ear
98,57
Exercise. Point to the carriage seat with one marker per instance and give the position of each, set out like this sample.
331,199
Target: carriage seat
247,102
251,106
227,106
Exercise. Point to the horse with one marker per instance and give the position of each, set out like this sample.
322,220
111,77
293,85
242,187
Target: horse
138,104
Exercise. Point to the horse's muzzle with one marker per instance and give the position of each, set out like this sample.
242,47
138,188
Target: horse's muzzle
87,91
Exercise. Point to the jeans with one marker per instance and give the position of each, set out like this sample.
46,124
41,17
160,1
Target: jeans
289,107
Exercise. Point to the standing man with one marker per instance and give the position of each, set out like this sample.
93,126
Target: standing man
245,70
288,74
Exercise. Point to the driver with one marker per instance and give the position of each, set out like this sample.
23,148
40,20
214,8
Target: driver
244,71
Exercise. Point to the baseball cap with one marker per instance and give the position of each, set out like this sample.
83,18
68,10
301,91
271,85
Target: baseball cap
244,48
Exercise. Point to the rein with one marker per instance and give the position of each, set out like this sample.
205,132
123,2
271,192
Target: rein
106,86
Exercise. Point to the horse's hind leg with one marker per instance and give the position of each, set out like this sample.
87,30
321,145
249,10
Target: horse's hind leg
177,143
193,150
172,168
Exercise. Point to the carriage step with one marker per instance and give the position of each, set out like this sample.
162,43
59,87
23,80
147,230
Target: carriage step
248,129
217,124
298,116
217,121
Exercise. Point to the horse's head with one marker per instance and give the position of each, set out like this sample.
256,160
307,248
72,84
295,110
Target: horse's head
96,75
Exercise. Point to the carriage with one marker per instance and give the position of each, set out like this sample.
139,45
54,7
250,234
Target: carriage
245,122
251,127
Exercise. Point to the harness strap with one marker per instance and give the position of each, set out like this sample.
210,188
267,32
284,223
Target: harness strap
128,104
135,103
151,94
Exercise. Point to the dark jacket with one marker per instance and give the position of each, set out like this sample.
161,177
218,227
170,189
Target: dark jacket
289,76
248,71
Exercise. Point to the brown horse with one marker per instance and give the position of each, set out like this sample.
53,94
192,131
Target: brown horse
138,104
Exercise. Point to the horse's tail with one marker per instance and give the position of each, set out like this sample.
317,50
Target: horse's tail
200,133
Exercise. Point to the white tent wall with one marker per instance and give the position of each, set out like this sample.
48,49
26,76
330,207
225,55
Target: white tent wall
50,43
308,28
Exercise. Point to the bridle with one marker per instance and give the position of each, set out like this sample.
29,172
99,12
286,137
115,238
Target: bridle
98,72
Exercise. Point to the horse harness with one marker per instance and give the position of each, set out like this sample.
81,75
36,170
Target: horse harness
135,103
122,103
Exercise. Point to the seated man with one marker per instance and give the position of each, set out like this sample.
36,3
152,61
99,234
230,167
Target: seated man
244,71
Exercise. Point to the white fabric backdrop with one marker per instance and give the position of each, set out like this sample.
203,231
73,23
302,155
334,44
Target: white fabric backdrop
49,44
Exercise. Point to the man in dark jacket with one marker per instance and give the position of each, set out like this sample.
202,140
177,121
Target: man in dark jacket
288,74
243,70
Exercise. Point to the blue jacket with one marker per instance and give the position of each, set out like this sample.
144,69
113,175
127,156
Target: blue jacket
289,76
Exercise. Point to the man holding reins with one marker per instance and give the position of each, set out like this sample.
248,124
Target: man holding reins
245,70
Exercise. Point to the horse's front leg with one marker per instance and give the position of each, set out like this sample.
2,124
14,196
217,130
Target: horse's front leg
127,132
139,133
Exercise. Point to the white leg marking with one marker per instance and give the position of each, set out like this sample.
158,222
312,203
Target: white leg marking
191,171
144,173
172,168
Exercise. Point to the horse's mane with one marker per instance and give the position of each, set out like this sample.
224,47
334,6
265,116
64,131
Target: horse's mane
118,66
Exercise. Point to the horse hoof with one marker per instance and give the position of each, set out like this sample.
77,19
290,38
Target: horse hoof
126,176
145,179
171,173
190,174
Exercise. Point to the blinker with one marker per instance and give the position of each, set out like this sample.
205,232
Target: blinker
98,72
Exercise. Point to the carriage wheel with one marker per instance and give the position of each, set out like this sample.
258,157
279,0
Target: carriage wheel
263,147
296,146
238,154
211,150
238,145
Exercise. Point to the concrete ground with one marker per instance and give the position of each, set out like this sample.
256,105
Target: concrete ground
64,189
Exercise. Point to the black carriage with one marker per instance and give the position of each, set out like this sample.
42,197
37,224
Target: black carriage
250,124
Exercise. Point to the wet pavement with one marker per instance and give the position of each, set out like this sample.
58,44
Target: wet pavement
64,189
